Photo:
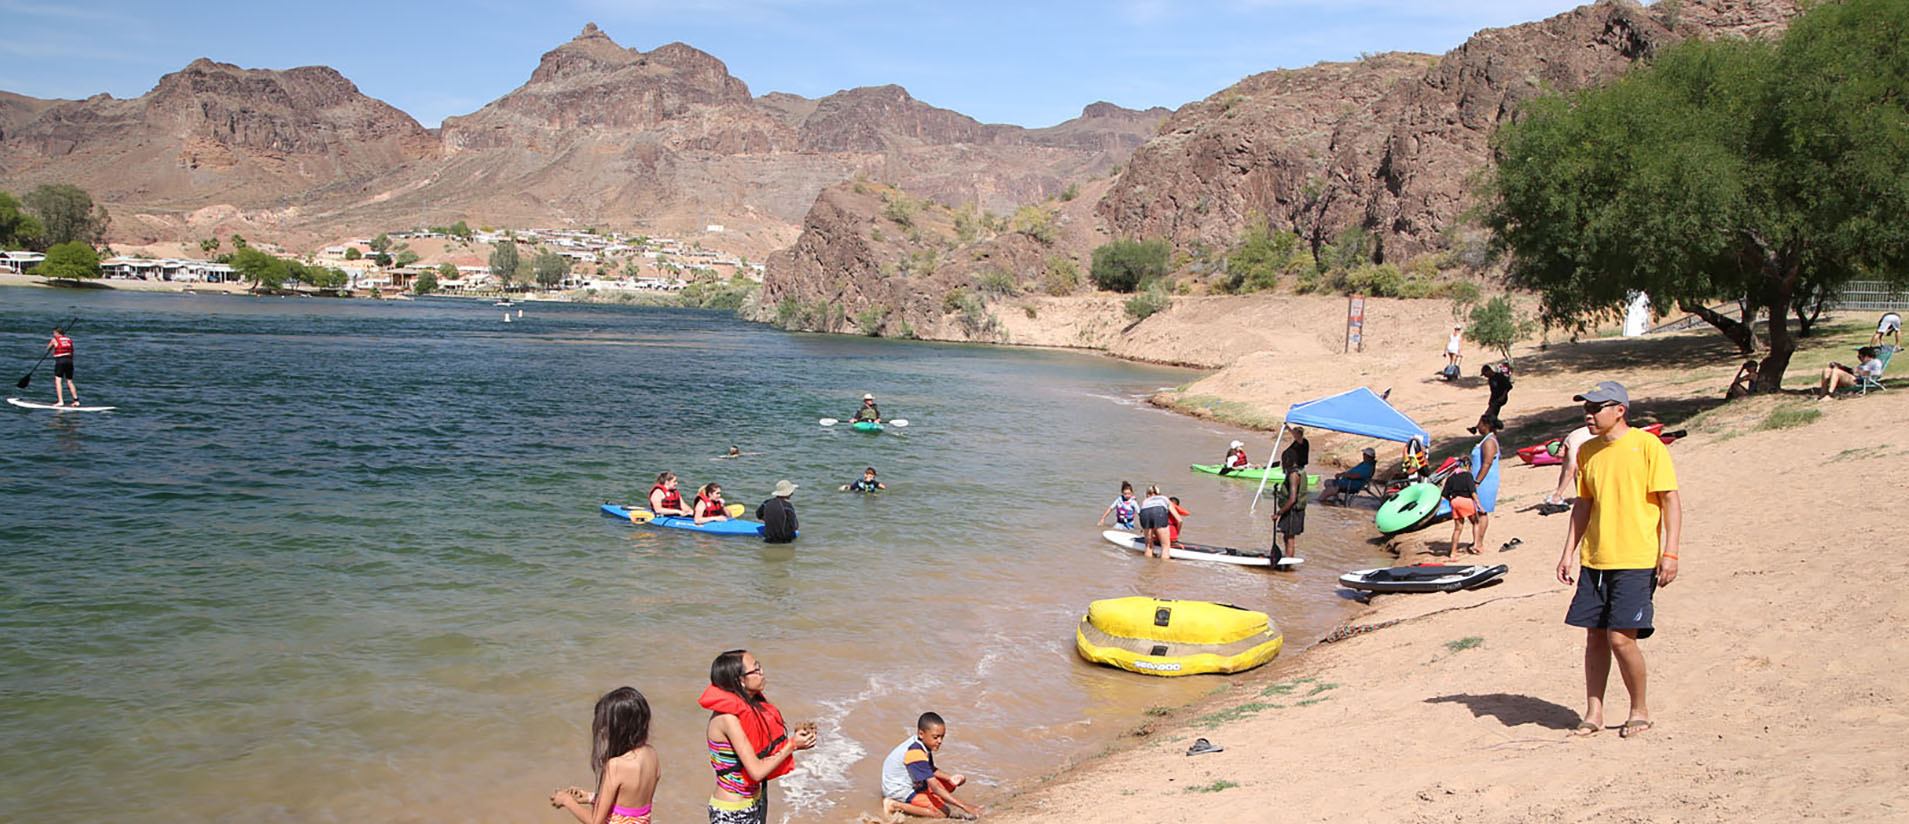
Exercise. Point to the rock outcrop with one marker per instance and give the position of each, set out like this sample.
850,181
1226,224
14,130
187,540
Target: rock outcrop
1392,143
211,129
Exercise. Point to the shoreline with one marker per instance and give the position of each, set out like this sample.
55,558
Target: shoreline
1459,706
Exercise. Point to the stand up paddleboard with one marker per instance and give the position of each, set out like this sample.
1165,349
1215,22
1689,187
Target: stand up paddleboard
1424,578
56,407
1184,551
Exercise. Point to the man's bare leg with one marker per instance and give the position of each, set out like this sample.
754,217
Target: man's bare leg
1597,673
1630,666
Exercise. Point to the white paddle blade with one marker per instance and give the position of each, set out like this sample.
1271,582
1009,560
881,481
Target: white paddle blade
899,422
828,421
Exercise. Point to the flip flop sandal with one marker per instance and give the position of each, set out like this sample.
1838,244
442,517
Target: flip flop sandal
1201,745
1510,545
1586,729
1632,729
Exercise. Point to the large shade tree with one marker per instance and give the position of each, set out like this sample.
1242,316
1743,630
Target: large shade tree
1770,173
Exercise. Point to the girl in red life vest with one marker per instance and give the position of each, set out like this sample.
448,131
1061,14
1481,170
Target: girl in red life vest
665,500
1235,458
748,742
710,505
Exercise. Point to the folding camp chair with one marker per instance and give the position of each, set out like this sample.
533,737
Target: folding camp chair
1864,383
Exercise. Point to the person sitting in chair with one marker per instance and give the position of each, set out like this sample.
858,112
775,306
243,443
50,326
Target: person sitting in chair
1837,376
1340,488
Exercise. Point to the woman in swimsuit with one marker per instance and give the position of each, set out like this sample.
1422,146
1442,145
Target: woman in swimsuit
748,742
625,765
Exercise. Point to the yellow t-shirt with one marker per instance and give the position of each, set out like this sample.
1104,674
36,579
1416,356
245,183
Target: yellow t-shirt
1620,478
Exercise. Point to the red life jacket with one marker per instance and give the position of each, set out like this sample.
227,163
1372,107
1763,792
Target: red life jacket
712,506
671,498
62,346
764,729
1236,459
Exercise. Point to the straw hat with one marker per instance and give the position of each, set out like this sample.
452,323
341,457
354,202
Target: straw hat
784,489
868,396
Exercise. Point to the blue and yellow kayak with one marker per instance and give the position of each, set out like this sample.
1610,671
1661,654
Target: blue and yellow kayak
733,526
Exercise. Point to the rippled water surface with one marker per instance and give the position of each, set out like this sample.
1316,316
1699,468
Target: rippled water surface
341,560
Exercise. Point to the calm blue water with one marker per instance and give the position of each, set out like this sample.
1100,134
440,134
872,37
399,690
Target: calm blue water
341,560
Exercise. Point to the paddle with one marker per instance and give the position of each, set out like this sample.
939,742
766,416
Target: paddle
828,421
898,422
28,377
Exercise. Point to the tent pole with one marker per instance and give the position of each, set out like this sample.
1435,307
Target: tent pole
1277,440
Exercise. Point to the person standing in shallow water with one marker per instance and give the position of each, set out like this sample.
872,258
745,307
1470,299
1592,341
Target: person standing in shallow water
1625,528
749,745
778,515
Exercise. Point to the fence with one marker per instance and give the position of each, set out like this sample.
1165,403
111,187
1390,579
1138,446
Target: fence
1872,296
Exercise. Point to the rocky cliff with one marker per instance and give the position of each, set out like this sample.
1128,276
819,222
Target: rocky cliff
211,130
1391,143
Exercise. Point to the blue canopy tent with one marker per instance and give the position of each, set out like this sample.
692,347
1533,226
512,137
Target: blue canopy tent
1355,411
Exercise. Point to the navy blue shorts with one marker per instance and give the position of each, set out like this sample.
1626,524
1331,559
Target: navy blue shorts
1614,599
63,368
1154,517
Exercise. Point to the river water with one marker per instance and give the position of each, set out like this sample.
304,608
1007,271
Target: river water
342,560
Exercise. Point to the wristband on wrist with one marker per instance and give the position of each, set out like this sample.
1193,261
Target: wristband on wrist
1667,555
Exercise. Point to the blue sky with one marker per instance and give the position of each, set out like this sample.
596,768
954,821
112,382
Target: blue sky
1032,63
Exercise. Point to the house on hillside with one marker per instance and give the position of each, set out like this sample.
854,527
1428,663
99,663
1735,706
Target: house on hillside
18,263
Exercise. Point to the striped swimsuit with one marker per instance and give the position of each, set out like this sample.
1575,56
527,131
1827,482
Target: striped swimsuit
750,809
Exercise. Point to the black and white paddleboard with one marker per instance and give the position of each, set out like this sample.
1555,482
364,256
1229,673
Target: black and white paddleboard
1428,578
1184,551
56,407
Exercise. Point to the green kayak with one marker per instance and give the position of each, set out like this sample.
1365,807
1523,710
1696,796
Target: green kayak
866,426
1272,475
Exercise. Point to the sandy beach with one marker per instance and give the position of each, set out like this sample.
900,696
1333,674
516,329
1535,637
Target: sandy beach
1776,676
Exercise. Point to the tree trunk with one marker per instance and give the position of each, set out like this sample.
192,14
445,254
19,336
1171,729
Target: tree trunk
1737,331
1783,276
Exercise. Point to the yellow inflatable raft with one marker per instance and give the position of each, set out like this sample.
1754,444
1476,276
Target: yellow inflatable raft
1162,637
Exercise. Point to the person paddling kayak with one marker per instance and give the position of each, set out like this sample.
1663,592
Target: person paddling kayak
1235,459
62,348
869,412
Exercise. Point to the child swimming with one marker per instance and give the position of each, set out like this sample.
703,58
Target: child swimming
866,484
621,756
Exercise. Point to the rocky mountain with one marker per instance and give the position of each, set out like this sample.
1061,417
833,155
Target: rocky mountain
1391,143
599,135
208,133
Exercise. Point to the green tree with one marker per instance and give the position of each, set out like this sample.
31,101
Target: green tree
1262,254
447,271
406,258
238,241
262,270
1125,264
1720,170
209,245
18,228
352,253
67,213
461,230
1497,324
382,259
425,284
381,243
1036,222
71,261
504,260
550,269
1351,248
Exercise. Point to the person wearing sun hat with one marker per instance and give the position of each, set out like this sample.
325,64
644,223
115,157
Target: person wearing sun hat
868,412
1625,528
778,515
1235,459
1341,487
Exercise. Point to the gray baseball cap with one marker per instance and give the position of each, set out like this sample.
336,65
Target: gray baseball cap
1606,391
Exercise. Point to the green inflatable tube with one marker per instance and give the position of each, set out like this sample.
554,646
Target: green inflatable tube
866,426
1412,507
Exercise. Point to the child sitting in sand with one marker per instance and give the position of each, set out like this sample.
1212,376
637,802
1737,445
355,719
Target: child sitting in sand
1124,508
621,756
866,484
910,781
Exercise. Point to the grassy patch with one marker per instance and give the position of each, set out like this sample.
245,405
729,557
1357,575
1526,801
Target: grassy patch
1465,643
1311,701
1214,787
1852,453
1790,416
1287,687
1239,414
1228,716
1319,688
1159,711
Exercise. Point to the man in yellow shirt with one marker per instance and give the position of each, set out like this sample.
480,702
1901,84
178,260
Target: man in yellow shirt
1624,531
